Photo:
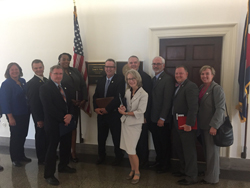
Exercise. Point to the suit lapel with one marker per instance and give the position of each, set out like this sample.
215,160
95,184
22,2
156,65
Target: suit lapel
137,94
181,88
208,92
159,79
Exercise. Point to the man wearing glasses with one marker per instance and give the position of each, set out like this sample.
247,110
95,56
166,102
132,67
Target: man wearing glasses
162,93
108,118
142,146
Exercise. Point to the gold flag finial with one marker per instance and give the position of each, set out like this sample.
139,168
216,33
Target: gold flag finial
74,2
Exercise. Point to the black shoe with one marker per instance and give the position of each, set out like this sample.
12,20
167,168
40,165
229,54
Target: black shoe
67,169
186,182
178,174
1,168
25,159
117,162
205,182
16,163
52,181
155,164
100,160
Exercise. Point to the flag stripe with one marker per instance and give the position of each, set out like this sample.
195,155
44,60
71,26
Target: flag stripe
78,59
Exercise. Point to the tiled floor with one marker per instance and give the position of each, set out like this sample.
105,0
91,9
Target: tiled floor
104,176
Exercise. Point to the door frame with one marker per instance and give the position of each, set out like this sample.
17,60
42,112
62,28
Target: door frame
227,31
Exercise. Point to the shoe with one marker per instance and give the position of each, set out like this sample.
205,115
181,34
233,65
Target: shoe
178,174
155,164
117,161
129,177
205,182
186,182
26,159
16,163
135,181
52,181
67,169
1,168
100,160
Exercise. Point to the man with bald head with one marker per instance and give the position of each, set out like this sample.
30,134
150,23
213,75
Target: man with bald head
162,93
142,146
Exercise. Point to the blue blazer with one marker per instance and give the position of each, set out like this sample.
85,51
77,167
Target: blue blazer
13,98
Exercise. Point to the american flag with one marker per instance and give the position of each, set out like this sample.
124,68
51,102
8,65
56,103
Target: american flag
78,59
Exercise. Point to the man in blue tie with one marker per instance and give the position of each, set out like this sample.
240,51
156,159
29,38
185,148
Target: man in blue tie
108,118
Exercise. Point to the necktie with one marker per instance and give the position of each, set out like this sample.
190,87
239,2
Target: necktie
106,87
62,93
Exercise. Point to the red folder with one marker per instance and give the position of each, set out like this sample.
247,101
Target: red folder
182,121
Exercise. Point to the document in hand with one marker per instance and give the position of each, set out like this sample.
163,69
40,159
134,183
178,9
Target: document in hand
182,121
103,102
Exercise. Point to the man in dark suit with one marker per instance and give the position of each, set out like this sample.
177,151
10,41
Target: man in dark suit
58,110
108,118
162,93
33,86
185,103
142,146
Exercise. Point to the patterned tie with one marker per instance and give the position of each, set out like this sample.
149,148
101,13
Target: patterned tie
62,93
106,87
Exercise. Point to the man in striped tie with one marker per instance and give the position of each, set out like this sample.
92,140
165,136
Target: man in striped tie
58,110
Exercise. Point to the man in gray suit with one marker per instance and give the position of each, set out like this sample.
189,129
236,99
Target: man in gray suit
162,93
185,103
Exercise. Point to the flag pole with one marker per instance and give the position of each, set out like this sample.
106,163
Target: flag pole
244,153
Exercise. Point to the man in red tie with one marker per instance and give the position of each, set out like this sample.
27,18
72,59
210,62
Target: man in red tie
58,110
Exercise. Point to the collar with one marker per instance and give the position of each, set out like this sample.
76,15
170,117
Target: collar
109,78
41,77
158,75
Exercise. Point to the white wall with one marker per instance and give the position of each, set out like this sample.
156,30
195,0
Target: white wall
110,29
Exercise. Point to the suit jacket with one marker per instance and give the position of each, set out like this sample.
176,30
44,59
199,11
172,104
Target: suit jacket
36,107
116,86
147,86
162,95
212,107
138,105
186,101
54,106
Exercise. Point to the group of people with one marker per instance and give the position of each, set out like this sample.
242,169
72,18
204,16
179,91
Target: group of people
164,106
137,104
55,106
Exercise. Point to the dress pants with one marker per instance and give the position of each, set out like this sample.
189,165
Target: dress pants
41,143
142,145
185,146
64,151
18,135
105,123
212,153
162,143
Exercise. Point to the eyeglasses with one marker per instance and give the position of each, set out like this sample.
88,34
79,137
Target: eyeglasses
58,74
130,79
157,64
111,67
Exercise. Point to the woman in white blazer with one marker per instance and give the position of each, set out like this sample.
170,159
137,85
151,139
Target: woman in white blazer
132,120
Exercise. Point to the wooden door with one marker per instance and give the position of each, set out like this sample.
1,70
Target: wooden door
193,53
